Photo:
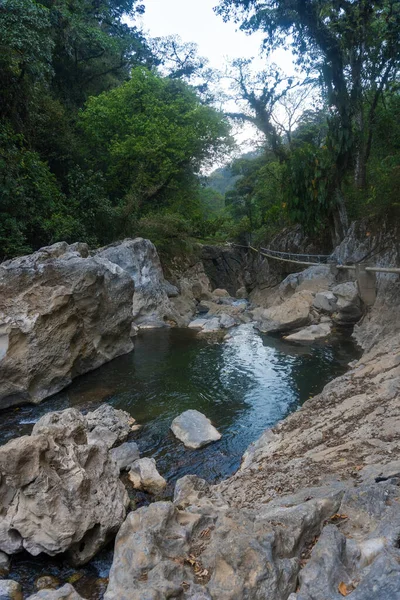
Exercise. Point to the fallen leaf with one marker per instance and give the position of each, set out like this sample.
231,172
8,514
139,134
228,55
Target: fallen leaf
343,589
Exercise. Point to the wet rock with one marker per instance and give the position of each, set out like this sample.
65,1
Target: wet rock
125,455
66,592
311,333
292,314
57,298
58,493
194,429
325,301
226,321
47,582
10,590
118,422
144,476
139,259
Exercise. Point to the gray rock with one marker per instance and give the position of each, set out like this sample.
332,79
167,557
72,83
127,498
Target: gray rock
313,279
349,308
226,321
144,476
10,590
4,564
220,293
171,290
125,455
151,305
310,333
118,422
58,493
58,299
197,324
66,592
292,314
242,293
211,325
194,429
325,301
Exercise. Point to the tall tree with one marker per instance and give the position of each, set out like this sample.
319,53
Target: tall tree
354,45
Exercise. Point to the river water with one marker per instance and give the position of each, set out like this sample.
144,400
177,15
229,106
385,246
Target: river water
244,384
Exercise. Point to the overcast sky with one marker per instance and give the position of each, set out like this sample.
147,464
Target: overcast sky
195,21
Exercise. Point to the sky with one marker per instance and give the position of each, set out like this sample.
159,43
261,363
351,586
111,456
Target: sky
195,21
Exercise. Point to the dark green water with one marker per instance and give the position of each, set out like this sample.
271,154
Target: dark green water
244,384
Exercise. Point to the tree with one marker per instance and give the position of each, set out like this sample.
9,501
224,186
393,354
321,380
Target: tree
149,137
355,46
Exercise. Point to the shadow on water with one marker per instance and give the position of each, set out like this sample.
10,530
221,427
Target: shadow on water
244,384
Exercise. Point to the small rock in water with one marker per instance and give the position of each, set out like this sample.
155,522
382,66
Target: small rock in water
125,455
4,564
144,476
311,333
45,582
194,429
211,326
66,592
10,590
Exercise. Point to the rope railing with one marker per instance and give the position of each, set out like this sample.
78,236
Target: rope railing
314,260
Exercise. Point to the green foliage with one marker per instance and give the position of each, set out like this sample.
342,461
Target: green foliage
148,133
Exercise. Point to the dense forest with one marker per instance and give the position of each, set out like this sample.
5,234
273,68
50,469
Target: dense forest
105,133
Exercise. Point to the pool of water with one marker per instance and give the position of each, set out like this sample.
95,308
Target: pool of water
243,383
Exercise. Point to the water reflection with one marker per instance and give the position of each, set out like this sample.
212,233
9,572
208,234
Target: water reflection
243,384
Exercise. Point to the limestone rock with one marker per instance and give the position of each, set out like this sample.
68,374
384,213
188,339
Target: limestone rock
325,301
144,476
61,314
211,326
220,293
194,429
10,590
66,592
139,259
125,455
348,303
118,422
242,293
58,493
226,321
292,314
313,279
197,324
4,564
310,333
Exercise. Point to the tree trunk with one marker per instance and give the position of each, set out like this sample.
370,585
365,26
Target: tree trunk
340,221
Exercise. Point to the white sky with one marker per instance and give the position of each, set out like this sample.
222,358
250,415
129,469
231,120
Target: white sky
195,21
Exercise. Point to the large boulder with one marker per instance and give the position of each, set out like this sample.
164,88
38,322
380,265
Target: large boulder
325,301
194,429
62,313
59,493
313,279
110,425
138,257
292,314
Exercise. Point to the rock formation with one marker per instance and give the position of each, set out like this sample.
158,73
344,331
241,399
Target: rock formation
194,429
58,492
62,313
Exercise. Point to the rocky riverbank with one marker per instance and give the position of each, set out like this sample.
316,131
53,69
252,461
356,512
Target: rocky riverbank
313,512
